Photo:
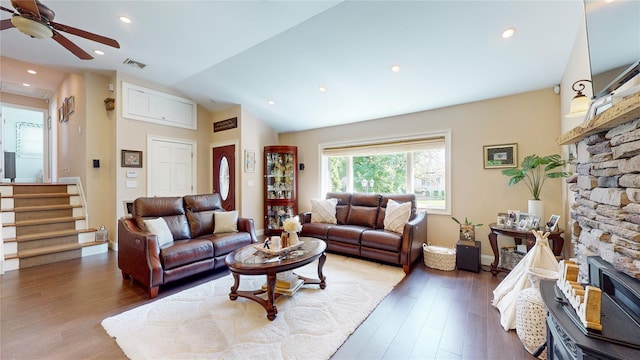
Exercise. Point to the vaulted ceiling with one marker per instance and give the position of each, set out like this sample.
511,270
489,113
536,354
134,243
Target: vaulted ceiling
272,57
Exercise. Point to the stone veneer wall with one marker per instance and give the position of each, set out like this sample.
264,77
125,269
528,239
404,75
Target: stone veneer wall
606,213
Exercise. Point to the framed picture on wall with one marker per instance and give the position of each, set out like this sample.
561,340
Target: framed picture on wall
71,105
500,156
63,116
249,161
131,158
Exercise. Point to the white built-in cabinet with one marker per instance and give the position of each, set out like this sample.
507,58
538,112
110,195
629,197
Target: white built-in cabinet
144,104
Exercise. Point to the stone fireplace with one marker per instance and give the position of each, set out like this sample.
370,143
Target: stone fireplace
605,214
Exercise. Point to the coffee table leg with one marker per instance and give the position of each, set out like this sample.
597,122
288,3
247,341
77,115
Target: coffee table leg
271,303
233,295
321,277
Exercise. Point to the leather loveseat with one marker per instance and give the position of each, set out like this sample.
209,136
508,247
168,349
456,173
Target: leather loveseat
360,229
194,249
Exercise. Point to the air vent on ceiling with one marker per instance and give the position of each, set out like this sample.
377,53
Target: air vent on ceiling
134,63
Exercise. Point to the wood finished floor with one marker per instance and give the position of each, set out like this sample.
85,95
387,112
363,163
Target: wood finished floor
54,312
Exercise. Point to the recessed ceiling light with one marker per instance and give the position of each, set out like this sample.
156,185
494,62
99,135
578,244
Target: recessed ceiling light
125,19
25,84
99,52
271,102
32,72
322,89
395,68
508,33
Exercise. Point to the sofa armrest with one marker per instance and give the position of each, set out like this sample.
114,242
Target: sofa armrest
139,254
413,236
305,217
247,225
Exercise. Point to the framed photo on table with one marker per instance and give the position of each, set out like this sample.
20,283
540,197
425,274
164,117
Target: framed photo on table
552,224
500,156
524,221
131,158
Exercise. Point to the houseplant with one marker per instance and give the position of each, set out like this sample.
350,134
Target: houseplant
534,171
467,229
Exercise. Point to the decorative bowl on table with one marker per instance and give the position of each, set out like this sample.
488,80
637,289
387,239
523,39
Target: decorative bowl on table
275,249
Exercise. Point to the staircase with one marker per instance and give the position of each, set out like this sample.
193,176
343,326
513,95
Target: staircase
44,223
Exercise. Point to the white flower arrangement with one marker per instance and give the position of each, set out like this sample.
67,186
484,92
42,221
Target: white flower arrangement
292,224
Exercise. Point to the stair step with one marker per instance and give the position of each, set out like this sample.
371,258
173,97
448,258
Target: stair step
48,235
40,196
40,222
48,250
43,208
34,188
45,221
41,256
23,200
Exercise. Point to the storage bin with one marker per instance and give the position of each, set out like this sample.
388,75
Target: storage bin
438,257
509,257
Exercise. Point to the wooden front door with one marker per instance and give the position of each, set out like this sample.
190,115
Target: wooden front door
224,175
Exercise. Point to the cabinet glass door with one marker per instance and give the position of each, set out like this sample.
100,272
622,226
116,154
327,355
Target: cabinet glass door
276,215
280,176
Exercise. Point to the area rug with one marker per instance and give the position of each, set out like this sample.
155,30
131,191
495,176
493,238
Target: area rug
202,323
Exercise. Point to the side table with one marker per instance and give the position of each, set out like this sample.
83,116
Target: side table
468,255
518,236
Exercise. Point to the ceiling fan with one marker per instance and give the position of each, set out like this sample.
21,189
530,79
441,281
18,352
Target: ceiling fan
36,20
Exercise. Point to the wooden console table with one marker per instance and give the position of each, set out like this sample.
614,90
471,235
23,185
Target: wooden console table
518,236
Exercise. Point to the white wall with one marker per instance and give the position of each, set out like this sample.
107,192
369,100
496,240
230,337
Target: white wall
531,120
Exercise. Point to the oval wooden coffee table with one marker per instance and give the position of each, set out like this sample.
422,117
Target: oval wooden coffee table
249,261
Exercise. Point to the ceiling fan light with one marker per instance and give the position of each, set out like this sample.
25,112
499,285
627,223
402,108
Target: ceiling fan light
31,27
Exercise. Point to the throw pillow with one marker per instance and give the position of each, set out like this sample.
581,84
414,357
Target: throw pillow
225,221
396,215
160,229
324,211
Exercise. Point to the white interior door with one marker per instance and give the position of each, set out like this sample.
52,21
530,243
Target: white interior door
171,167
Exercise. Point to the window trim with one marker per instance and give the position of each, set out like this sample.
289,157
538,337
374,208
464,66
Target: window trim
445,134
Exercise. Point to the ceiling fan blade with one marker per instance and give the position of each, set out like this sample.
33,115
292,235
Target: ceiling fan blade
7,10
85,34
71,46
6,24
29,6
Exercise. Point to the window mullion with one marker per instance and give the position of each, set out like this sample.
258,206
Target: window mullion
410,173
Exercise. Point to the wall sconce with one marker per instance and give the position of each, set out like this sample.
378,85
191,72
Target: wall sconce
579,103
110,103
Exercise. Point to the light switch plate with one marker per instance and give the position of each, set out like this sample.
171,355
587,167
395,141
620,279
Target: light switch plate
132,174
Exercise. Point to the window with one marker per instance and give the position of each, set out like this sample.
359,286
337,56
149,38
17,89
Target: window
410,165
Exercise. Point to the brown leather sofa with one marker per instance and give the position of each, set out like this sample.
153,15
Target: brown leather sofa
360,229
195,247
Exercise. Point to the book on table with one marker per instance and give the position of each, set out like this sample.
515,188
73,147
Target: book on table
287,290
286,280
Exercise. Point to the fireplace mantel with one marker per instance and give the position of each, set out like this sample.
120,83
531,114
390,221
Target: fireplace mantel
626,110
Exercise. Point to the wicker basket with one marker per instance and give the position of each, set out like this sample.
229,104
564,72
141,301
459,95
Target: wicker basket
509,257
440,258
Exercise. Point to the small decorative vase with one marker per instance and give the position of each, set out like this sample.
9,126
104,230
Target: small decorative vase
536,207
293,238
531,313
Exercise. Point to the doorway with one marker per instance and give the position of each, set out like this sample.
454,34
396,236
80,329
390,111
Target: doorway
224,175
171,165
22,144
